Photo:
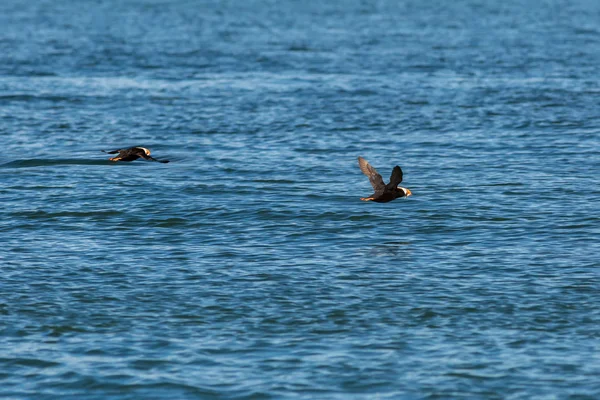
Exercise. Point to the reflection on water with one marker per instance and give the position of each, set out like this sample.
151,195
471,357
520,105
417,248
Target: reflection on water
397,250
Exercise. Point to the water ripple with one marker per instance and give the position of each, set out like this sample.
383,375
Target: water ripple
248,267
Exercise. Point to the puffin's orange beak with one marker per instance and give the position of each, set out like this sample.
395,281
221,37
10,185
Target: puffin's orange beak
408,192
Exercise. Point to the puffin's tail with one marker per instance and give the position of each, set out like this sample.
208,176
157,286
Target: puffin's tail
110,152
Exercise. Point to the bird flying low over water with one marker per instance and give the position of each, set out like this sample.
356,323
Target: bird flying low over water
132,153
383,193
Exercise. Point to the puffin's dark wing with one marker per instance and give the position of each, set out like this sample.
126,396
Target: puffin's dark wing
150,158
395,178
374,177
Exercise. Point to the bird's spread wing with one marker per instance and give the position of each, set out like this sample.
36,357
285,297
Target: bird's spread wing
395,178
374,177
150,158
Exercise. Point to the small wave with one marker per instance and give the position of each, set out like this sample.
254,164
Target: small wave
36,162
29,97
300,48
30,362
44,215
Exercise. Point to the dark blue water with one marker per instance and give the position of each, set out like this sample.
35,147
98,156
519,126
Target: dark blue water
247,267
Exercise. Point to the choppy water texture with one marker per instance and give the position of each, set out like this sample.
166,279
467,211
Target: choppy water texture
247,267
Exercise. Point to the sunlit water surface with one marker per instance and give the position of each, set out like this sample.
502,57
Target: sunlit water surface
247,267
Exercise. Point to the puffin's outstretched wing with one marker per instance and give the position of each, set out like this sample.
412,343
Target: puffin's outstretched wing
374,177
147,157
395,178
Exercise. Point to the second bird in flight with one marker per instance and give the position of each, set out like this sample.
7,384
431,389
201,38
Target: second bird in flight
383,193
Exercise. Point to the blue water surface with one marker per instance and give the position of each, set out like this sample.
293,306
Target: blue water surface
247,267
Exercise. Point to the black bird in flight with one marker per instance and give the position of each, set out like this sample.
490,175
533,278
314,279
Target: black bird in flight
383,193
132,153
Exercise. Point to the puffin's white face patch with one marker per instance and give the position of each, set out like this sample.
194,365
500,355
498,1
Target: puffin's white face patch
145,150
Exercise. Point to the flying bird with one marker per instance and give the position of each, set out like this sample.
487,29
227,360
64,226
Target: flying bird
383,193
132,153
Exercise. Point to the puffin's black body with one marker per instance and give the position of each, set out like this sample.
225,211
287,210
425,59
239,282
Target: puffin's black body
383,193
133,153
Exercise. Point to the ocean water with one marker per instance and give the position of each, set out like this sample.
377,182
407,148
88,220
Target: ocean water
247,267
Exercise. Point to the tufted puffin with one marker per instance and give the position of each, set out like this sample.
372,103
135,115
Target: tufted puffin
133,153
383,193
